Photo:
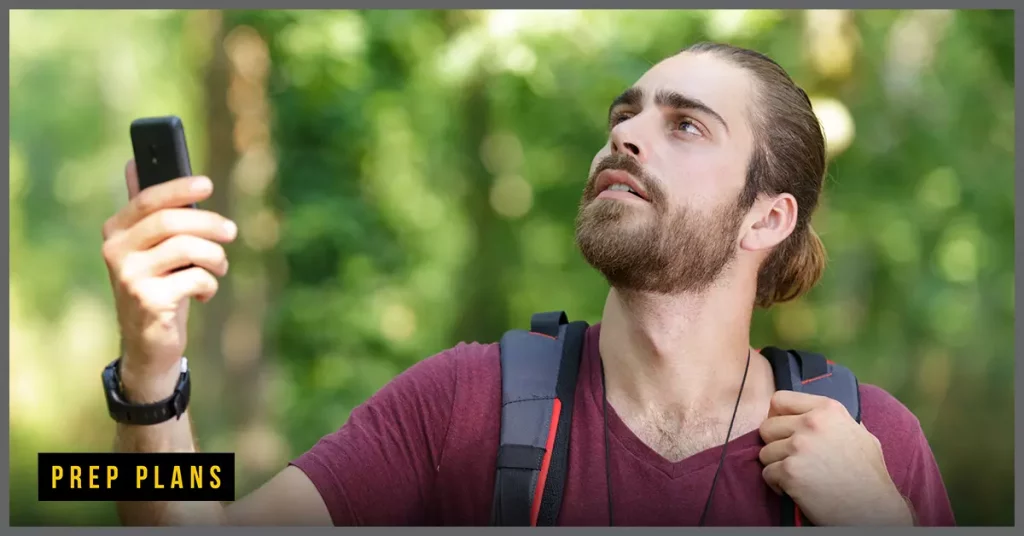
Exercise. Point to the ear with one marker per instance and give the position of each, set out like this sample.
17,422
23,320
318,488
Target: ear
770,221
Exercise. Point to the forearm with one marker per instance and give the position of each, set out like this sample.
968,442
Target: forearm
911,519
174,435
897,511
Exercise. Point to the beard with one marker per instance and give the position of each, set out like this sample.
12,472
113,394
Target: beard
656,248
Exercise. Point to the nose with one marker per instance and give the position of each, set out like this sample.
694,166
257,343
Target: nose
626,140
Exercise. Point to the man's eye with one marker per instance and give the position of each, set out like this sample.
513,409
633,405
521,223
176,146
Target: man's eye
618,118
686,123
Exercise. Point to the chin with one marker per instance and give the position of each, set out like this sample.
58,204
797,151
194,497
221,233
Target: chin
613,211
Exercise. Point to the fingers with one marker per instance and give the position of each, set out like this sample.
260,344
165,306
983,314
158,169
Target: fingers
794,403
773,475
171,194
166,223
776,451
778,428
131,178
192,282
178,251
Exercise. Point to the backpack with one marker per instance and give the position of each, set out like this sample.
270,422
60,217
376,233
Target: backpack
539,370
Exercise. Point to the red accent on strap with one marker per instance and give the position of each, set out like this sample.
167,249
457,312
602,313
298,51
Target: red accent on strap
797,518
816,378
544,335
546,463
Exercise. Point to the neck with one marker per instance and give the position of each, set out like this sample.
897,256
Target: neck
679,353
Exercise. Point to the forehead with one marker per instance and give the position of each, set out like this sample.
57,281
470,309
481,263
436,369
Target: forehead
709,78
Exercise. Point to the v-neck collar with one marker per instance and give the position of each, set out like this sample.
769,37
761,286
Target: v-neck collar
590,370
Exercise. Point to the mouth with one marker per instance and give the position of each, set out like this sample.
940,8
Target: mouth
616,183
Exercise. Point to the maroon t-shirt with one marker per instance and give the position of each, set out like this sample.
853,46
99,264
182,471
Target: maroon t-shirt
422,451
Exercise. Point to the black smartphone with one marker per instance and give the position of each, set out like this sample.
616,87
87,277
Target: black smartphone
161,152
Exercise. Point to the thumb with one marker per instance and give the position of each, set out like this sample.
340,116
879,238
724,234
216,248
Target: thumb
131,178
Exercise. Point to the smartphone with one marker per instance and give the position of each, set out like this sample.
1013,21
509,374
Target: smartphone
161,152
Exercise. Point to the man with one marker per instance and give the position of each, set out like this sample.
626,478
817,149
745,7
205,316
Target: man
696,209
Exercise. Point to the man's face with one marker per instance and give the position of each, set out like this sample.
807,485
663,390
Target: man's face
680,140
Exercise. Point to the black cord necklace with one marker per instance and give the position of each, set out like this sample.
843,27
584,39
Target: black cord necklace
721,461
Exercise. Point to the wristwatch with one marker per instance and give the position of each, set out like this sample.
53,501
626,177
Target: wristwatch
125,412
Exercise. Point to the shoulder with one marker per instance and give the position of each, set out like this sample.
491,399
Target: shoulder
468,369
419,403
464,356
882,413
908,455
463,376
440,375
380,466
455,381
897,428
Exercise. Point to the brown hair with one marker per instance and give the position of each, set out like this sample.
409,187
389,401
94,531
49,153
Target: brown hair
788,157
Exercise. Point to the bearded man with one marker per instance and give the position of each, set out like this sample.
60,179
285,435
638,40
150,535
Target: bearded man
696,211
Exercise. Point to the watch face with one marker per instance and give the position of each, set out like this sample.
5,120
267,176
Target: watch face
111,379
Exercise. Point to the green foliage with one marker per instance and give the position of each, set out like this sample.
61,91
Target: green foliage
429,164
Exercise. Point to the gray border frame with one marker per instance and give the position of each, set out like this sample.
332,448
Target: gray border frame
520,4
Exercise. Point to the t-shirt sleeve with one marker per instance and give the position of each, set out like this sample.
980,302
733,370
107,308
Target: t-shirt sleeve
922,484
908,456
379,468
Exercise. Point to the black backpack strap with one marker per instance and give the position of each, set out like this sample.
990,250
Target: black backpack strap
548,323
539,370
808,372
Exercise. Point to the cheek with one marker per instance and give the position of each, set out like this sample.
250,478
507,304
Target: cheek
708,180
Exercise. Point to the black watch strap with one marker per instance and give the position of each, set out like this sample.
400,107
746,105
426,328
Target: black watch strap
126,412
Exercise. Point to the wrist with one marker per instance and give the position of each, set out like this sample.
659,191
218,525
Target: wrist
145,386
145,399
901,510
910,517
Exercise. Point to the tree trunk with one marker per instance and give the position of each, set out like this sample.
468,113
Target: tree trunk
221,158
259,448
484,309
241,163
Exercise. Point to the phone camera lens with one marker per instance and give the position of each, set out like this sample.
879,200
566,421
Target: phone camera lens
152,153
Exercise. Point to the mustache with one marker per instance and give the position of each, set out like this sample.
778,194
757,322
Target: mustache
623,162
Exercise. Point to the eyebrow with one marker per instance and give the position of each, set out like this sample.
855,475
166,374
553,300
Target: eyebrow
634,97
